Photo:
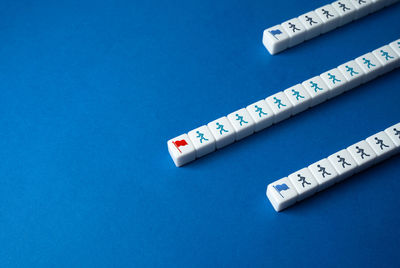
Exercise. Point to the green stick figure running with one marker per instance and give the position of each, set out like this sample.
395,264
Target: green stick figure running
221,128
368,62
351,70
259,111
201,136
315,86
333,77
297,94
240,119
279,102
386,55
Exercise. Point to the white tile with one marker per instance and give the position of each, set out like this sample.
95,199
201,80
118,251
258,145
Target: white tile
370,65
222,131
364,7
377,5
280,105
181,150
346,11
299,98
202,140
343,163
304,182
296,31
242,123
336,82
394,133
281,194
363,154
317,89
261,114
395,45
329,17
387,57
313,24
324,173
382,145
353,73
275,39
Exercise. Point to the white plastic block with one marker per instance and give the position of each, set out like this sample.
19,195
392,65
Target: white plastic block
275,39
202,140
395,45
353,73
364,7
363,154
261,114
343,163
346,11
382,145
387,57
280,105
281,194
304,182
242,123
336,82
181,150
329,17
223,132
296,31
324,173
312,23
317,89
394,133
299,98
370,65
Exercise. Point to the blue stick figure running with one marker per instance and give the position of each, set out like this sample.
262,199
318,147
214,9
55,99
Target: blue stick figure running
201,136
333,77
386,55
221,128
315,86
259,111
297,94
368,62
240,119
351,70
279,102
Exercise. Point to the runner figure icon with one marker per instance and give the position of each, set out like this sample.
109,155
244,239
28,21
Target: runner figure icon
333,77
201,136
240,119
343,6
297,94
351,70
361,151
310,20
221,128
380,143
396,132
293,27
259,111
323,170
278,102
341,159
303,180
315,86
368,62
326,13
386,55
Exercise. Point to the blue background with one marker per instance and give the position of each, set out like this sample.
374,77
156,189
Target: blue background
92,90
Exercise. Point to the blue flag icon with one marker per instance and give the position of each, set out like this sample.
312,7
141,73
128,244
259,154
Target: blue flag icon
275,32
281,187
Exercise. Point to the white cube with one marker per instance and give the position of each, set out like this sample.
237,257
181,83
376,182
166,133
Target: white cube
387,57
202,140
280,105
363,154
275,39
281,194
181,150
299,98
317,89
336,82
296,31
304,182
312,23
382,145
346,11
343,163
353,73
242,123
261,114
324,173
370,65
223,132
394,133
329,17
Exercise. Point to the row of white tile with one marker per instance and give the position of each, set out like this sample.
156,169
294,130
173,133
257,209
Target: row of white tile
263,113
336,167
324,19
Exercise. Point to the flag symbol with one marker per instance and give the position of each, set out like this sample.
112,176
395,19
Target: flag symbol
275,32
179,144
281,187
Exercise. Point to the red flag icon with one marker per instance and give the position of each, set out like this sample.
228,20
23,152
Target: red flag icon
179,143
